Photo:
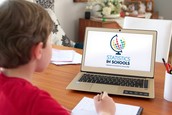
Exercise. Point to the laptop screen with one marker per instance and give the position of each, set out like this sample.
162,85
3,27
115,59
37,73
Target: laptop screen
114,51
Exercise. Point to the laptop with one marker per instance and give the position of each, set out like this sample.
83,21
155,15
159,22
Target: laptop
118,61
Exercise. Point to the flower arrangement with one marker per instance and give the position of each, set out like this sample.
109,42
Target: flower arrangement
104,8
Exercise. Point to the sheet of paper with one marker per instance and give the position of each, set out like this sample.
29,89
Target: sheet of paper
76,58
86,107
62,55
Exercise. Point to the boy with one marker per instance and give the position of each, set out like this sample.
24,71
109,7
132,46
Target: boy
25,47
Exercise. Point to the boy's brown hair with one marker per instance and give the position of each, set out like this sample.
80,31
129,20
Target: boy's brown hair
22,25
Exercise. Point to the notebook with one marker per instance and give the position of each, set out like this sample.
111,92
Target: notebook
118,61
86,107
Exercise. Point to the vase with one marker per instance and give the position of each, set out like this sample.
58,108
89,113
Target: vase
112,16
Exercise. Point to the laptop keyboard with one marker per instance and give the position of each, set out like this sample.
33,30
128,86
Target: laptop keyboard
114,80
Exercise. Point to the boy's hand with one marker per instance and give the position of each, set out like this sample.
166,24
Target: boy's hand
104,104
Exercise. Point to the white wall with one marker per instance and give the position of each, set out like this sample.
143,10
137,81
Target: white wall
164,7
68,14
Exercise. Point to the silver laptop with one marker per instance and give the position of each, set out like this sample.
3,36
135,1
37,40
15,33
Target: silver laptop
118,61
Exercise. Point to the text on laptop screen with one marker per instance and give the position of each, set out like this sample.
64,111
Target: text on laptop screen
117,50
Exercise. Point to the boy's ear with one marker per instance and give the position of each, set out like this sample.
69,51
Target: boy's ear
37,50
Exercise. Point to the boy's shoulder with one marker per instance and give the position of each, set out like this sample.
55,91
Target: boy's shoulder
20,87
23,94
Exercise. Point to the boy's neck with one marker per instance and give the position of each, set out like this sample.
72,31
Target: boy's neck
23,72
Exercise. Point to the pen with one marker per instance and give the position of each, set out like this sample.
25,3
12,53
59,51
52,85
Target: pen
166,65
170,68
102,95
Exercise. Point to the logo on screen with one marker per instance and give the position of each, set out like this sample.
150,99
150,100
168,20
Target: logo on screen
117,44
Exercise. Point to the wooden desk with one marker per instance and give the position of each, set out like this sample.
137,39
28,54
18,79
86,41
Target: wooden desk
55,79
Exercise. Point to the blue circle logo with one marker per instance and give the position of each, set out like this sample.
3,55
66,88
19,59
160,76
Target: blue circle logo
117,44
